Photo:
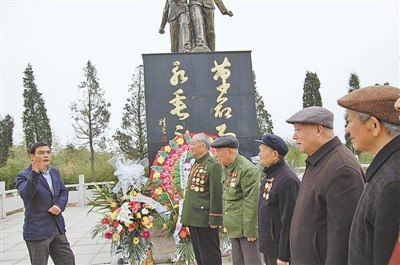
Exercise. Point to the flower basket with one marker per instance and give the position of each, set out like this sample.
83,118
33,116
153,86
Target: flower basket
128,215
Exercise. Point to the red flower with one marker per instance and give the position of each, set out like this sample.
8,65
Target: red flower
115,224
145,234
105,221
184,232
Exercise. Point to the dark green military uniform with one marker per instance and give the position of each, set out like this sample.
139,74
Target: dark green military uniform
202,206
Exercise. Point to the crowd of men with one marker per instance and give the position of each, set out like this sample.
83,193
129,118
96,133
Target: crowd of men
338,214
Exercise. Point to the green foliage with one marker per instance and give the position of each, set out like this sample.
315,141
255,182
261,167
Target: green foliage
35,123
264,121
6,139
365,158
91,114
17,161
70,161
354,84
131,138
294,158
311,95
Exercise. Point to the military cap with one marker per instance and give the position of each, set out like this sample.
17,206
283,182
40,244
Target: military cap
313,115
275,142
377,101
226,141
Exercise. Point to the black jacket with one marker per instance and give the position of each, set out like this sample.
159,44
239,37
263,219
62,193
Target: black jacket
278,194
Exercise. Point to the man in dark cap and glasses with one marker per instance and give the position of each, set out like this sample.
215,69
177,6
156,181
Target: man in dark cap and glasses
241,187
374,127
278,193
331,186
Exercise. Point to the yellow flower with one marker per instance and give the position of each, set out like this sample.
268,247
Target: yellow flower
180,141
115,237
165,226
114,215
167,149
148,206
160,160
156,175
136,240
158,191
138,215
123,198
113,204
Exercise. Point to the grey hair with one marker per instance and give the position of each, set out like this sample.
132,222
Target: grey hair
201,137
392,129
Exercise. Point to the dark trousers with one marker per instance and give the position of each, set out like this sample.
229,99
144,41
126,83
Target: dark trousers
245,252
56,246
205,242
270,260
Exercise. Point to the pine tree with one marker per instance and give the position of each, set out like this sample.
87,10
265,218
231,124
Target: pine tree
311,95
132,136
6,139
35,123
354,84
264,122
90,113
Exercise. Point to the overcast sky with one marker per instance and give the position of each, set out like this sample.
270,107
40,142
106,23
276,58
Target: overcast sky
287,39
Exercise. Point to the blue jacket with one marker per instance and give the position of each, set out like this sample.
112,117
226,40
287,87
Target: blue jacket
39,224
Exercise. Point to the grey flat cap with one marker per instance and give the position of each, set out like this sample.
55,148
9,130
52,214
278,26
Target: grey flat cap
226,141
313,115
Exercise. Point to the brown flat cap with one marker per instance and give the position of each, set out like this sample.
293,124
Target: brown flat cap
377,101
313,115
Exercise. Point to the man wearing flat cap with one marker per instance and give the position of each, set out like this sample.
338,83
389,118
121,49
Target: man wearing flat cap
241,189
374,127
331,186
278,193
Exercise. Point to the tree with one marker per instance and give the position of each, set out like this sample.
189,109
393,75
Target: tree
35,123
90,113
264,122
132,137
354,84
6,139
311,95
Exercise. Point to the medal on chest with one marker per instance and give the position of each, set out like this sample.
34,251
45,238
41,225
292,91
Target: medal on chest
231,181
198,178
267,188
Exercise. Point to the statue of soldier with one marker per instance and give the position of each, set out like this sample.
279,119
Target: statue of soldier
176,12
202,20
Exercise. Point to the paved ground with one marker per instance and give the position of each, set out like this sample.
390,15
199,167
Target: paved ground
79,224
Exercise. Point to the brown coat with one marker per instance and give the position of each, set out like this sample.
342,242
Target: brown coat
327,199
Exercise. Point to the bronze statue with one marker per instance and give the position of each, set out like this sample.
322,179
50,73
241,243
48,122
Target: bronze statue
195,19
176,12
202,19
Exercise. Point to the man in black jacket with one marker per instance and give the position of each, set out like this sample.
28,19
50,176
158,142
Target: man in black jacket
278,193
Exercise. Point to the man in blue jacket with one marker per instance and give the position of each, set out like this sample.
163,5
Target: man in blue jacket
45,197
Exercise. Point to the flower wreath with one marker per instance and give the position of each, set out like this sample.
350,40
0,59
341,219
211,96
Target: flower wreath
168,176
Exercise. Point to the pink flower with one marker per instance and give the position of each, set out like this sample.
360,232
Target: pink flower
109,234
145,234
